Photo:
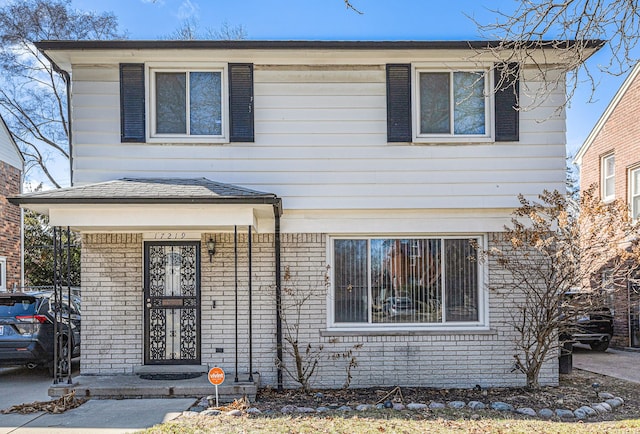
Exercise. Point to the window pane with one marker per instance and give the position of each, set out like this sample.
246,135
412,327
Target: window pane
461,281
468,111
350,281
171,103
609,187
635,194
205,103
434,103
609,166
405,280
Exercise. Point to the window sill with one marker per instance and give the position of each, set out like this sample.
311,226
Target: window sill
440,332
447,140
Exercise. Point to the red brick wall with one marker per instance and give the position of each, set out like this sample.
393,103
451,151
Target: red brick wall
620,135
10,223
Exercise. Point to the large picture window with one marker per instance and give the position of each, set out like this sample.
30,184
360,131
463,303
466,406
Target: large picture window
453,103
187,103
412,281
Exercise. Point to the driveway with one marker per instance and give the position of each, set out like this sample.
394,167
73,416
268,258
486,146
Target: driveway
20,386
614,363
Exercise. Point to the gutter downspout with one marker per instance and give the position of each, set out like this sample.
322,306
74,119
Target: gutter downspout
277,211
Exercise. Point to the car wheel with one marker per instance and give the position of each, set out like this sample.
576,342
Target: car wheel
63,362
599,346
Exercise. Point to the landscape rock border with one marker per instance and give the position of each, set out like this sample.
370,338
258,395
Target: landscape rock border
609,404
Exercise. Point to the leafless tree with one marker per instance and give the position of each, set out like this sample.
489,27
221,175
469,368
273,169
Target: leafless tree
33,97
549,251
189,30
614,22
296,302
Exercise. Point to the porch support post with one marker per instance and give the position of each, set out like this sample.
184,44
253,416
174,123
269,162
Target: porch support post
278,301
250,308
70,323
235,253
55,304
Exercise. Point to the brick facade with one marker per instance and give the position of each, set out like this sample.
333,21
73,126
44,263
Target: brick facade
620,136
10,224
112,302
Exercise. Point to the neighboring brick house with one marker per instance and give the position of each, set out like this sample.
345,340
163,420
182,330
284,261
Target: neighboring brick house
610,160
210,177
11,169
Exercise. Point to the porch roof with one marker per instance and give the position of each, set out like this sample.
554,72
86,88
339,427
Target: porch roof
150,203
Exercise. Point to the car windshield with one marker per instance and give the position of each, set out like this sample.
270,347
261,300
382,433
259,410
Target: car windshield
11,307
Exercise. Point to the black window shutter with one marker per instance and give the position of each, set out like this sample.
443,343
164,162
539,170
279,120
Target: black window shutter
399,103
507,115
241,102
132,113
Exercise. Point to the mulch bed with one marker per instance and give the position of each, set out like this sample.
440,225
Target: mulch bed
574,391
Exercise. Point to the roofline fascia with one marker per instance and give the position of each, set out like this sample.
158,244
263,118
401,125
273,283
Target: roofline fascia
299,44
595,131
228,200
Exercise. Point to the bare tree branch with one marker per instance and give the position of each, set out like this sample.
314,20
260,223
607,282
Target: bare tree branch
33,97
616,22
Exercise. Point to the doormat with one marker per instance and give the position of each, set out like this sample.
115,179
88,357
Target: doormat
171,376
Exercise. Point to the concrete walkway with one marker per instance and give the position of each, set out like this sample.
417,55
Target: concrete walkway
613,363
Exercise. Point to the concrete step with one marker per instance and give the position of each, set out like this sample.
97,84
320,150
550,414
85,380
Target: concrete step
132,386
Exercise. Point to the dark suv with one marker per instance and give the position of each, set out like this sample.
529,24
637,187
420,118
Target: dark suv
27,329
594,328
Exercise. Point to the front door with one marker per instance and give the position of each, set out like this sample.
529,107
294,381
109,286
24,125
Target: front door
172,302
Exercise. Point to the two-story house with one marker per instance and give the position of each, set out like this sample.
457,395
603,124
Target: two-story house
11,170
610,159
215,180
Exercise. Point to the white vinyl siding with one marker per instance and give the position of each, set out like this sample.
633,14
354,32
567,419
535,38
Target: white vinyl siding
320,143
8,151
608,181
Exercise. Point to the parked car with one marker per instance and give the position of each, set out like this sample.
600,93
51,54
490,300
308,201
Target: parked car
27,329
394,306
594,328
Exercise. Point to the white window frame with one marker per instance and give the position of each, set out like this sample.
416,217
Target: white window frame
3,274
604,177
150,78
483,294
488,136
635,213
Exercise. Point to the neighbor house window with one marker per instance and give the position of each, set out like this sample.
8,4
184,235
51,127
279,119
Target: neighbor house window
453,103
608,178
187,103
634,192
3,274
406,281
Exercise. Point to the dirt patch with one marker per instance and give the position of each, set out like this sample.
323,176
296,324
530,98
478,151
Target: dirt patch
574,391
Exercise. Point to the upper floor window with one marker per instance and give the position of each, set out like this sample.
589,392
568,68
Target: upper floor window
634,192
187,103
608,178
453,104
406,282
163,103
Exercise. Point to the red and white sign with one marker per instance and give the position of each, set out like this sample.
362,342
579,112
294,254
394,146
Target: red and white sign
216,376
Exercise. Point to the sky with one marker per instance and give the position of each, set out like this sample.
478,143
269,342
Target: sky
331,20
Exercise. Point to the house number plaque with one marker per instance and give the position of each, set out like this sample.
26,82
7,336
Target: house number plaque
171,236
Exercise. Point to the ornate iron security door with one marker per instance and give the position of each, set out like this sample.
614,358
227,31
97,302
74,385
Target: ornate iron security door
172,302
